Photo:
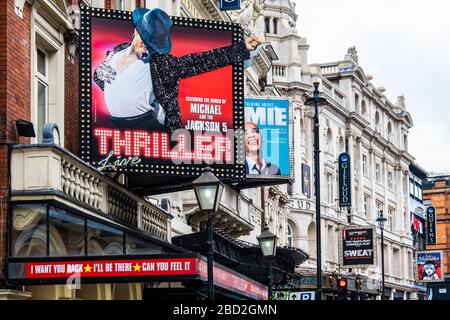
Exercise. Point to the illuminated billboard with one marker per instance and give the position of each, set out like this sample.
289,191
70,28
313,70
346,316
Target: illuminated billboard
161,114
430,266
268,138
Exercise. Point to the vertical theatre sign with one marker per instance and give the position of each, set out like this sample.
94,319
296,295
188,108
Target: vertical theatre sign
230,5
131,121
431,225
345,193
357,247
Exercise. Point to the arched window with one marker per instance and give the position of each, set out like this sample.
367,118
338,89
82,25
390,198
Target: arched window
267,25
289,236
363,109
356,103
275,26
389,131
377,120
330,141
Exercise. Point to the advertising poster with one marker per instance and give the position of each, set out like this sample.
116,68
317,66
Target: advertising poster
306,180
133,118
268,138
357,247
430,266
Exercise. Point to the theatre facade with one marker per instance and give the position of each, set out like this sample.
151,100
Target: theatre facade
70,229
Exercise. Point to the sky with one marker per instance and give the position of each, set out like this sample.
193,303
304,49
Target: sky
405,46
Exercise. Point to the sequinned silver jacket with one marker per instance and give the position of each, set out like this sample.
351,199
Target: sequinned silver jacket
167,71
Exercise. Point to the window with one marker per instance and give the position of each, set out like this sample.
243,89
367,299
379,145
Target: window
364,164
377,173
418,191
363,109
137,246
29,231
103,240
389,131
98,3
267,25
275,26
411,187
120,5
356,103
390,218
289,239
390,182
377,121
366,205
42,86
379,206
329,178
66,233
405,142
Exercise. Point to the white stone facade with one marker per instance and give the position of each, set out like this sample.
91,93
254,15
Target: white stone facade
359,119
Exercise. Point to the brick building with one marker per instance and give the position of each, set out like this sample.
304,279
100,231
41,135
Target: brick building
39,80
437,191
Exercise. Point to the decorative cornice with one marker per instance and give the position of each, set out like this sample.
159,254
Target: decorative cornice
288,11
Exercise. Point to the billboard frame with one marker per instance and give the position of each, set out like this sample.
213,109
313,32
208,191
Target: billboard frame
232,172
416,266
375,247
277,178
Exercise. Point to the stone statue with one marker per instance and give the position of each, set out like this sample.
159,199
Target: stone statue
401,105
352,54
250,17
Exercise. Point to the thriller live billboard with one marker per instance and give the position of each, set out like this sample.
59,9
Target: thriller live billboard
130,119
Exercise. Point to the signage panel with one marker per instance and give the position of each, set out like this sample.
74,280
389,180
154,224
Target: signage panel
345,191
230,5
268,138
430,266
128,124
431,225
357,247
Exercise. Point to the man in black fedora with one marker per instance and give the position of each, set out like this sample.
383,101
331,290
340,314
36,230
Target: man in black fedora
140,99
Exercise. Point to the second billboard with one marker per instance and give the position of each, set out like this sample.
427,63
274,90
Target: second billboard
268,138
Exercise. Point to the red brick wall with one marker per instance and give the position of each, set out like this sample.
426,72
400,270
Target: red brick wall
71,105
14,94
440,200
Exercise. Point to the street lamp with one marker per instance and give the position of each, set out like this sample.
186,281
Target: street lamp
316,100
381,220
268,243
208,191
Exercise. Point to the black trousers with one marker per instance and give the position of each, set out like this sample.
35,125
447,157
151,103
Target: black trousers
146,121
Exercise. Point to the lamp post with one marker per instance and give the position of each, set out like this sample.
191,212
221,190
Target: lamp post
381,220
316,100
208,191
268,243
